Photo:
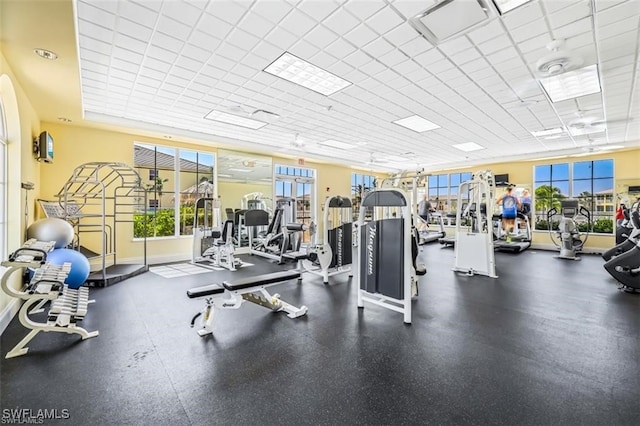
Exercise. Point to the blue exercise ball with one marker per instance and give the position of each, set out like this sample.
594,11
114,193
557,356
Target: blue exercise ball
51,229
80,267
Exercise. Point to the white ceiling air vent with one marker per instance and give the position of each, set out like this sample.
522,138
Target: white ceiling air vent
558,61
451,18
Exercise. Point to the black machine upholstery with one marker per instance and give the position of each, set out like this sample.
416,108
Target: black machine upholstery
243,283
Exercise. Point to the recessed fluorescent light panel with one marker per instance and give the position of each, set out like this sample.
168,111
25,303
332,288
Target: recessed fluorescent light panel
468,147
506,5
547,132
573,84
236,120
417,124
305,74
336,144
231,169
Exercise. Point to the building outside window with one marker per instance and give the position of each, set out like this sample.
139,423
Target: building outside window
176,179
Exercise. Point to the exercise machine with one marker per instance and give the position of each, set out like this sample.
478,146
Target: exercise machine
334,254
387,247
568,238
625,268
631,239
67,306
212,245
281,241
518,241
427,235
474,250
232,294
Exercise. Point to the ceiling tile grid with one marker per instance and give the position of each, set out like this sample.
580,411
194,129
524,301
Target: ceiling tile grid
171,59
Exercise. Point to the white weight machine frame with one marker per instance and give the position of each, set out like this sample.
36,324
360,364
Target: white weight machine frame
474,250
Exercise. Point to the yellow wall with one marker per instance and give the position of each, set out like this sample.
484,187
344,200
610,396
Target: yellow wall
625,168
22,125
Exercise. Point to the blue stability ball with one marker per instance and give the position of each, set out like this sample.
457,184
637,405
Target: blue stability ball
79,265
51,229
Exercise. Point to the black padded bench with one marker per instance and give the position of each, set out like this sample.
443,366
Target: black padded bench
242,283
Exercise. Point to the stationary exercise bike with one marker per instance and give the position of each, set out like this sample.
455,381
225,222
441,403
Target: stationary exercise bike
568,238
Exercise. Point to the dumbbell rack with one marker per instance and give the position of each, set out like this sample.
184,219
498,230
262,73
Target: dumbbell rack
67,306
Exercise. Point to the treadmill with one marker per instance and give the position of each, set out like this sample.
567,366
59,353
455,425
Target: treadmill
519,242
426,236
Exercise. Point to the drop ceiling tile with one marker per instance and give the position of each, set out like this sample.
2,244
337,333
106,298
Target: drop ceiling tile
378,47
491,30
465,56
281,38
230,52
255,25
355,76
228,11
126,55
364,8
161,54
411,8
618,13
570,14
361,35
303,50
297,23
535,43
456,45
133,29
341,22
341,68
393,58
384,20
401,35
173,28
528,31
96,45
92,14
152,73
507,54
167,42
242,39
196,53
213,26
317,10
358,59
573,29
94,31
522,15
623,26
272,11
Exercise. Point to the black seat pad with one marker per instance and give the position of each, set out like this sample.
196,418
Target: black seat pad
259,280
205,290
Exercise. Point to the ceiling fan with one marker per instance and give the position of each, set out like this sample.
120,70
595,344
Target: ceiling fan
558,61
588,124
373,160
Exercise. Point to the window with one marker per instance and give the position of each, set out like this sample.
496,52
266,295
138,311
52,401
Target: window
593,188
591,183
177,178
439,192
3,185
360,185
455,179
296,185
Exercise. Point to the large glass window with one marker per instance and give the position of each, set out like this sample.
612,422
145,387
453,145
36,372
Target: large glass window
439,192
296,185
176,179
360,185
590,182
593,188
455,180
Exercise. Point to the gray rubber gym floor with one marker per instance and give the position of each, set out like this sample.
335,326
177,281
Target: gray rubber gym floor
549,342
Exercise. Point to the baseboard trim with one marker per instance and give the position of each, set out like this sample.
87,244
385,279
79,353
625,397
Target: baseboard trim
8,313
586,250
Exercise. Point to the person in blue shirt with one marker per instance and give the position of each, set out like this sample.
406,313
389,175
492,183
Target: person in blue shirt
510,205
525,202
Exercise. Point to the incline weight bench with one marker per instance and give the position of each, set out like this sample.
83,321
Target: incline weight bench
234,293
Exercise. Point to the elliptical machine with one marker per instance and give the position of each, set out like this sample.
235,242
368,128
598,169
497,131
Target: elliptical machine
568,239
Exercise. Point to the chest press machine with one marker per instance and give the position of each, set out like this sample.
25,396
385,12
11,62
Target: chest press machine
232,294
67,306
